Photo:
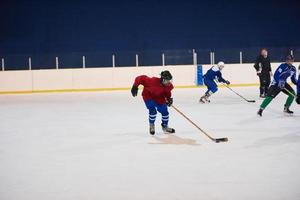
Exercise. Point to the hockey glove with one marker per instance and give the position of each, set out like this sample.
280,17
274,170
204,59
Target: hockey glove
258,73
169,102
227,82
281,84
134,90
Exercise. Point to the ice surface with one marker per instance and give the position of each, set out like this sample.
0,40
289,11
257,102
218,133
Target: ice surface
91,146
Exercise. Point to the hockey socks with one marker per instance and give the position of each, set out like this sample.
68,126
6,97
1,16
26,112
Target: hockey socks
266,102
289,101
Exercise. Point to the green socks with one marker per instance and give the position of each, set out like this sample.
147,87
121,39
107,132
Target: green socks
289,101
266,102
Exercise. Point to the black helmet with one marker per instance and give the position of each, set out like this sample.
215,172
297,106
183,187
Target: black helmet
289,57
166,75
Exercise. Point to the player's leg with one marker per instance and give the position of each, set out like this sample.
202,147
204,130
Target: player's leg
163,110
151,106
272,93
261,86
266,84
201,100
290,98
211,88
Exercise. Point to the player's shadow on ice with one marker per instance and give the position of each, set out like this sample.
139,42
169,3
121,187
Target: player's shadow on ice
173,139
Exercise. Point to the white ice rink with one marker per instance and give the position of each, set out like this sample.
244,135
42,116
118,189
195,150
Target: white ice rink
96,146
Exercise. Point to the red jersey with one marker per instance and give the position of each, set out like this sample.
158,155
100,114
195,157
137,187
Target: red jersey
153,89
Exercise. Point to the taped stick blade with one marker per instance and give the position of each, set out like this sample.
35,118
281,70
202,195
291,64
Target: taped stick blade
221,140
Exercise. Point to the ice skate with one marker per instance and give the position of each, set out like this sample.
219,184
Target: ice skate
152,129
260,112
167,130
204,99
201,100
288,111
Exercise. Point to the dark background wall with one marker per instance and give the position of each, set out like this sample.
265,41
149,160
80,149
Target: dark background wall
44,29
29,26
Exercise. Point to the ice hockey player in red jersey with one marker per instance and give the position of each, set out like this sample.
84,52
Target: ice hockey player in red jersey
157,97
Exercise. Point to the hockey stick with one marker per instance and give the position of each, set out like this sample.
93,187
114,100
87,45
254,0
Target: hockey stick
290,93
251,101
217,140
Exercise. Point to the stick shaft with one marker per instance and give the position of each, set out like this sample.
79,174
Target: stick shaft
193,123
235,92
290,93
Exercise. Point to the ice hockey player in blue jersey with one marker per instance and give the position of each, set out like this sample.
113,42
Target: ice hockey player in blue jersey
298,88
279,84
212,75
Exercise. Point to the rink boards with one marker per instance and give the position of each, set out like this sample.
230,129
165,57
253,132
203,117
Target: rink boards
117,78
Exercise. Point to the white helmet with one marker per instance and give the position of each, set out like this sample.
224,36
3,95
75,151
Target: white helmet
221,65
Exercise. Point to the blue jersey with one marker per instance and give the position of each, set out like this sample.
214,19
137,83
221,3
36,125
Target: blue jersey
283,72
214,73
298,85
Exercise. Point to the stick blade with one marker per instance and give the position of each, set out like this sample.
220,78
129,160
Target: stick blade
251,101
217,140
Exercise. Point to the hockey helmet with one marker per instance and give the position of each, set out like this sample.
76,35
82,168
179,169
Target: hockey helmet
165,77
290,58
221,65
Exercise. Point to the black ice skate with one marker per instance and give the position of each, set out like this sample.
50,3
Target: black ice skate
152,129
260,112
287,110
167,130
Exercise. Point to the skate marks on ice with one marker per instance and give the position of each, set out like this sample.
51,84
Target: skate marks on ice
174,139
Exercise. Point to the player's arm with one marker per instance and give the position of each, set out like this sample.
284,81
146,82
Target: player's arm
256,65
140,80
298,84
168,95
277,73
270,69
293,77
298,90
221,79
